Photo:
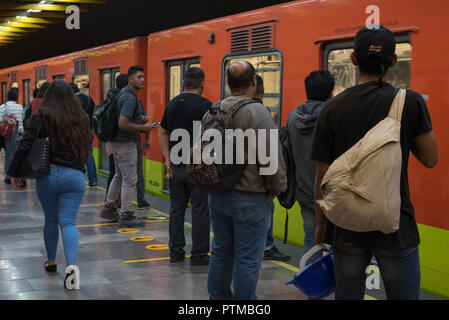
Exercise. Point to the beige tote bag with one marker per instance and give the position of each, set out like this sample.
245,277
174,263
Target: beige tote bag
361,189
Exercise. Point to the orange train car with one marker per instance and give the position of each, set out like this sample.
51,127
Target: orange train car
93,70
285,43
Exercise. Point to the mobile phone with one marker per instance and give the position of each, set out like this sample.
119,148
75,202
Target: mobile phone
155,124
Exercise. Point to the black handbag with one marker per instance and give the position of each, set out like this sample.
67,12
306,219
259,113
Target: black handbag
37,161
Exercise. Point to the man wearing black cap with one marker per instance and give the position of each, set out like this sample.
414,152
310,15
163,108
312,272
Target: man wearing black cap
345,120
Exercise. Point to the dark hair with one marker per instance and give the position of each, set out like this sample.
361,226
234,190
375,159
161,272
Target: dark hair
134,69
259,84
242,79
43,88
35,93
74,87
121,81
374,65
65,121
193,78
13,94
319,85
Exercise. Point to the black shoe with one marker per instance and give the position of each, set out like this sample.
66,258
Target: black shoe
24,183
129,220
177,258
7,181
199,260
275,254
93,184
52,268
109,212
144,205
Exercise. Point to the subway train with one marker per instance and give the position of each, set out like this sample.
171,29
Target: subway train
285,43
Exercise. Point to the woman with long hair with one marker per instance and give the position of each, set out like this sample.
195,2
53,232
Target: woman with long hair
61,118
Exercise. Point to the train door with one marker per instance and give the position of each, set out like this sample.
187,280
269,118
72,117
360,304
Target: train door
268,65
175,75
108,77
4,91
337,59
26,92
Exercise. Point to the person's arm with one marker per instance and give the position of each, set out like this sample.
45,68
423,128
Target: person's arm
320,218
164,142
126,124
425,149
146,145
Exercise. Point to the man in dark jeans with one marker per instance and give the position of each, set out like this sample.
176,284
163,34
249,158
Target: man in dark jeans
180,113
343,121
271,252
88,105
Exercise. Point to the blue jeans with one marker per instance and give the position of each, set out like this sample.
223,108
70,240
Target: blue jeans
270,241
399,269
309,224
11,146
240,222
60,195
90,164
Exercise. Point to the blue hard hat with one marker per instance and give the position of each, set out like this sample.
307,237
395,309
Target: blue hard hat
318,279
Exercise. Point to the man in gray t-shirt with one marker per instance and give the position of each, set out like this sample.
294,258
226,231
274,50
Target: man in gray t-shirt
131,123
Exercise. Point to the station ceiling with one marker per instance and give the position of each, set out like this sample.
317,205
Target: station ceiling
33,30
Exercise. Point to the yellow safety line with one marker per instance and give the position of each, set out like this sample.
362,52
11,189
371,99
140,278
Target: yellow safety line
149,260
98,225
92,205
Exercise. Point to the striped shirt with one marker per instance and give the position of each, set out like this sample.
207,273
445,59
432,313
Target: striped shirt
12,107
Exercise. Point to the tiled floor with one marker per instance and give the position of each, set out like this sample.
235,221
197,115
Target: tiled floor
109,260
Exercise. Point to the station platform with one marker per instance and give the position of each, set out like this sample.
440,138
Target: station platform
117,263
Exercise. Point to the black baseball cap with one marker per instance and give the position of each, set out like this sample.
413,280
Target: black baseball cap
376,41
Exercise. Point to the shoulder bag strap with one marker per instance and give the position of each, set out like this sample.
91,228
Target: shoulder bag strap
397,107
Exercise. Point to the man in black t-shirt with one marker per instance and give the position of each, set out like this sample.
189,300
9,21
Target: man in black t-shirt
345,120
181,113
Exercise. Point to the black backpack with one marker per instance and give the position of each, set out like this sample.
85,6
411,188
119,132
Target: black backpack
105,118
217,177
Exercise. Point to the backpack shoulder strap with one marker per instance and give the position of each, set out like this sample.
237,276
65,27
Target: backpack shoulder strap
236,107
397,107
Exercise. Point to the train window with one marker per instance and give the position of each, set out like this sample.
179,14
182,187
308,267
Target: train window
26,92
39,83
108,77
4,93
338,62
175,81
83,83
59,77
342,68
269,67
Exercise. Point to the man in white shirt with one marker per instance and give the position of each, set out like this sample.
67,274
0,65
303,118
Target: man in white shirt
15,109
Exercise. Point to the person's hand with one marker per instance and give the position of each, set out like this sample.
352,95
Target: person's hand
168,169
146,146
147,127
144,119
16,183
270,197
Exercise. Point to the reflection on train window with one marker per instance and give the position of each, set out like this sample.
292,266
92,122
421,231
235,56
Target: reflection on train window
26,92
346,75
399,75
4,93
268,66
39,83
83,83
342,68
175,81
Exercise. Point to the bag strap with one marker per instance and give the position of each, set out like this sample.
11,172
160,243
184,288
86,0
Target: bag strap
286,226
240,104
397,107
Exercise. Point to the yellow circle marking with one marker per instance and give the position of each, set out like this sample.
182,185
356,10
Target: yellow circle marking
128,231
141,239
157,247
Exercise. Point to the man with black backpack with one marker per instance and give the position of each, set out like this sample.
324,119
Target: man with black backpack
301,125
240,213
124,149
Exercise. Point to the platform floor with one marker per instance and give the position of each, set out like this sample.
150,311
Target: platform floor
116,263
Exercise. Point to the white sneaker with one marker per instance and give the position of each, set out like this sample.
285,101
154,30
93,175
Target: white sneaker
72,278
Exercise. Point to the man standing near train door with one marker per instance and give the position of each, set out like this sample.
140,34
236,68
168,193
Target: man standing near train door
124,150
180,113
